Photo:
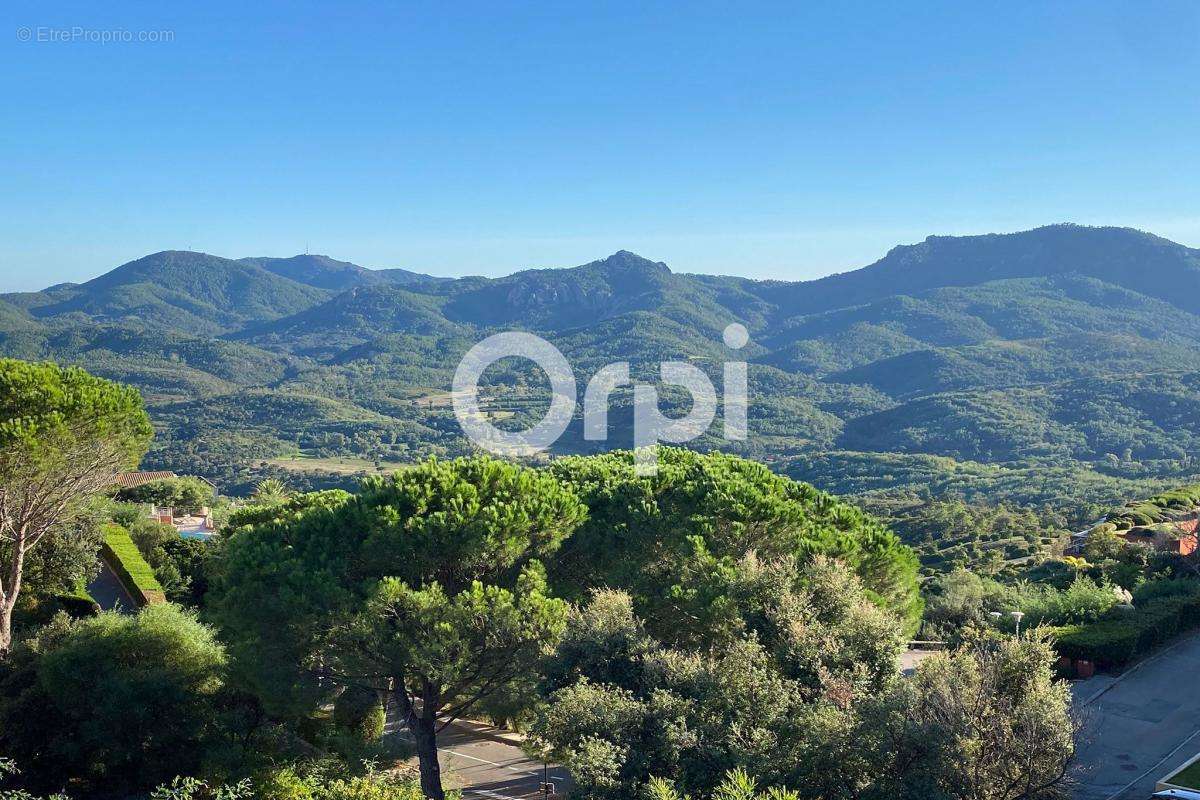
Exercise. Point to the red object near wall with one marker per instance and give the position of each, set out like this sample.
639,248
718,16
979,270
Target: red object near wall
1085,669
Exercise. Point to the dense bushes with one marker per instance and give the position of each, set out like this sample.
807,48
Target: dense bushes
114,703
621,705
1083,601
1110,643
303,780
288,784
1114,641
959,599
359,712
1155,509
1164,587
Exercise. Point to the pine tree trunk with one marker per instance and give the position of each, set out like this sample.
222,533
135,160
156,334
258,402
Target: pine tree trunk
424,731
6,612
10,587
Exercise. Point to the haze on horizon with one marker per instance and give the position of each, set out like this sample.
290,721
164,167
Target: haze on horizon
481,139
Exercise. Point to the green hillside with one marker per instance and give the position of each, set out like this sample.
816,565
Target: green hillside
189,292
961,365
1124,257
360,314
324,272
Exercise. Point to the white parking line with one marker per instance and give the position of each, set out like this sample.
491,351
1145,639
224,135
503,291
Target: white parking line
1130,785
493,795
493,763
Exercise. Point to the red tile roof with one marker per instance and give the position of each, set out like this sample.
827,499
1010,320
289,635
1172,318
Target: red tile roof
128,480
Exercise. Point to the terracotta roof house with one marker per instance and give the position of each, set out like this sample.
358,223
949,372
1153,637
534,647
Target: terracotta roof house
197,523
128,480
1164,537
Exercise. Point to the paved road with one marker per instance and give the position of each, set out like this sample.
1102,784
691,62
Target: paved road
1146,724
487,762
108,592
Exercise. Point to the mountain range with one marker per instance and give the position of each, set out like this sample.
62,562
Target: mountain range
1065,346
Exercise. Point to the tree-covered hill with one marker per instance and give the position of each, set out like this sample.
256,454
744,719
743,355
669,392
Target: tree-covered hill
1064,350
184,291
324,272
362,314
1124,257
15,318
1145,417
555,299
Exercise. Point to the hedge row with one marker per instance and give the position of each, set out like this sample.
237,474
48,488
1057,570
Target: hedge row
122,555
1114,641
1155,509
78,602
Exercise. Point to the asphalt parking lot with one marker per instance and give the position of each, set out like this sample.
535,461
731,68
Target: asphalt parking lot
1140,727
487,762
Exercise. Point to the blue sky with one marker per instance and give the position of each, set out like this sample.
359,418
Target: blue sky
785,140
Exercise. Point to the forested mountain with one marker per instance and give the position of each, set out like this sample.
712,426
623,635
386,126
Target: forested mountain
1148,264
175,290
324,272
1064,350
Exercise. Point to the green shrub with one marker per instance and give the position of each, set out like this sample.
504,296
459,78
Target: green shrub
183,493
1157,622
359,712
289,784
116,704
1110,643
1163,609
127,514
1189,613
149,533
1083,601
78,606
1164,587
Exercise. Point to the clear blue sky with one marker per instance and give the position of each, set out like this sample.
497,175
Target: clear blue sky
781,140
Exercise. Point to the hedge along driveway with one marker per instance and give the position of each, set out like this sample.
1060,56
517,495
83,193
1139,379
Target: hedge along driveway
1114,641
126,562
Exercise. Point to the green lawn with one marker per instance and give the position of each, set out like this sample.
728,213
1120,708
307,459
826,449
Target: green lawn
1189,778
